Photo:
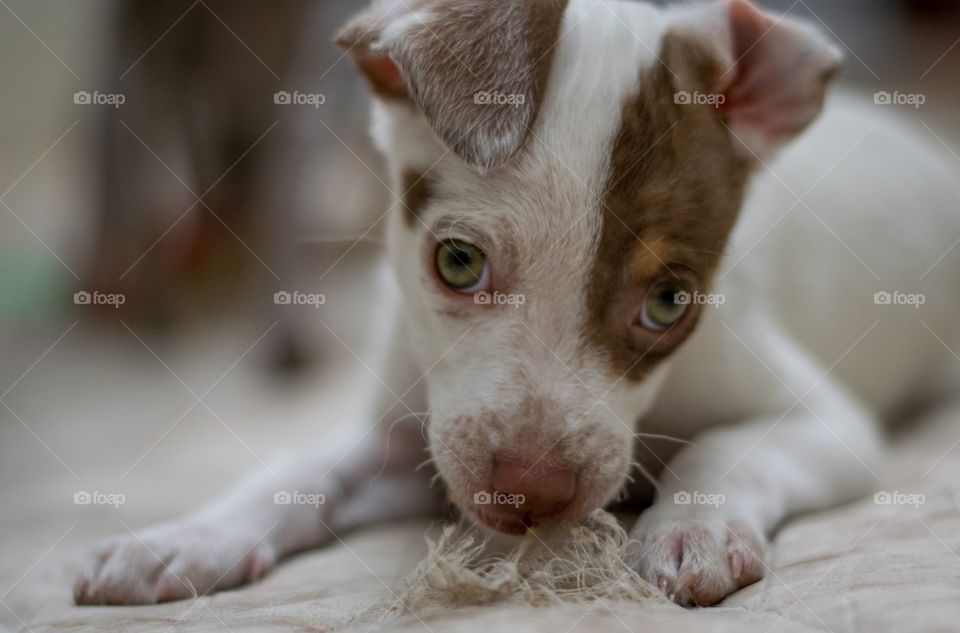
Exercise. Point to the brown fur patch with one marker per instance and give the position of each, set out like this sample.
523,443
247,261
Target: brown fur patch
674,192
492,48
417,192
649,260
502,49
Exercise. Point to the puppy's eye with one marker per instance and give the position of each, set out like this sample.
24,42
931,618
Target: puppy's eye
462,266
665,305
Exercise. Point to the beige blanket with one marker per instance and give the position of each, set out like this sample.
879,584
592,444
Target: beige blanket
870,566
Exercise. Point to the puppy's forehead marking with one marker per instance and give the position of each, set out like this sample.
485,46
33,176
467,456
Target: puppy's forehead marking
485,69
417,192
591,61
673,193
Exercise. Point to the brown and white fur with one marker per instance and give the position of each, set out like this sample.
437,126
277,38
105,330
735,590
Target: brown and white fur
583,197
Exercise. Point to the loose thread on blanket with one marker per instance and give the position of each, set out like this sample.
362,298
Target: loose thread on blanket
551,565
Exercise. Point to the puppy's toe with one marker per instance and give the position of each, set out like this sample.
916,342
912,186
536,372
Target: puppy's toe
120,572
170,587
169,563
700,563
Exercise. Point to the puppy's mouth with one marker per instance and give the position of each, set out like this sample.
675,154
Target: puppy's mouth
505,524
515,524
515,520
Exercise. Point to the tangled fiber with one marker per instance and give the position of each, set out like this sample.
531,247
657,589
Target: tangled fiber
557,564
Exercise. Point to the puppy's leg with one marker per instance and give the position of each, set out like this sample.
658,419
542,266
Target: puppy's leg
721,497
240,537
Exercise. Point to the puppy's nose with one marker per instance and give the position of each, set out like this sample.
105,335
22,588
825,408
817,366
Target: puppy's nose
538,490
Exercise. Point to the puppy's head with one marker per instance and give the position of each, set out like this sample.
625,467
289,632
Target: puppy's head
567,175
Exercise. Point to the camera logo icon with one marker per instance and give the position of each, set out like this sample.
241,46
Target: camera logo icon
297,298
484,298
883,97
98,498
83,97
284,97
482,498
282,498
683,98
897,298
683,298
898,498
682,498
97,298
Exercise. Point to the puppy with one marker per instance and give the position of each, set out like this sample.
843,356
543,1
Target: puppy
611,283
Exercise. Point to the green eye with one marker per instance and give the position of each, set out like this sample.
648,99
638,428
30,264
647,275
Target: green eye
462,266
665,305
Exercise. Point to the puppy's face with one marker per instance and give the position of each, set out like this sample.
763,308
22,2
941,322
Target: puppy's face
567,173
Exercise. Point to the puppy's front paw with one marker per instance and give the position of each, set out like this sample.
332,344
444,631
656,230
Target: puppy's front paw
698,561
170,562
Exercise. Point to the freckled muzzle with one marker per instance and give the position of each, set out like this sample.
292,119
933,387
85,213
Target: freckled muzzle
512,472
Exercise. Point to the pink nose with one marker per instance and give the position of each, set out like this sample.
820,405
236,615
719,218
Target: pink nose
535,490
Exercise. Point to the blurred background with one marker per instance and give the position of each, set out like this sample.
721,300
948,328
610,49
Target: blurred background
171,173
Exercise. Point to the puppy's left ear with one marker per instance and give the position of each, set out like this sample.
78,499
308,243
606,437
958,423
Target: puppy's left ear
476,70
770,74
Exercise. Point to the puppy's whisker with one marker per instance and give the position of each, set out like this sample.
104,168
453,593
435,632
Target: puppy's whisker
423,427
647,475
668,438
428,461
386,452
407,416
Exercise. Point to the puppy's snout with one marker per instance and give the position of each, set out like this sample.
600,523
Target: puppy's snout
532,491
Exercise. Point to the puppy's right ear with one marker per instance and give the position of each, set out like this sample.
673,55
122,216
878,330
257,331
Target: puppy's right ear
362,37
476,70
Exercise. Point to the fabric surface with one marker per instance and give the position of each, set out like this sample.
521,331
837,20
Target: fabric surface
868,566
